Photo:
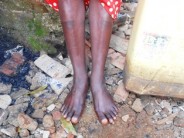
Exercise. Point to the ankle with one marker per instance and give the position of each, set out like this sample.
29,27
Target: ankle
96,79
81,80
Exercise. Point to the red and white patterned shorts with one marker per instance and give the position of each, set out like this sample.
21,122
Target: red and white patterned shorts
111,6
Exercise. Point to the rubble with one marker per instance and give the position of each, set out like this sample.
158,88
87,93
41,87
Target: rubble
38,113
51,67
121,91
48,121
9,131
118,60
167,119
56,115
5,101
5,89
179,122
119,44
51,107
11,65
26,122
35,113
24,133
137,105
3,115
60,84
125,118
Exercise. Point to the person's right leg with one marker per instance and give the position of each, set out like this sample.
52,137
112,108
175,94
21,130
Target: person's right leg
72,14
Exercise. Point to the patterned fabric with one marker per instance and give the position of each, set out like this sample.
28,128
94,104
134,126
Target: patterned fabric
111,6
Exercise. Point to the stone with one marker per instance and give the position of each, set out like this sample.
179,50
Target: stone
10,131
79,136
137,105
51,67
27,122
12,119
3,116
23,133
119,44
70,135
56,115
167,119
122,92
23,99
5,101
118,60
46,134
60,84
150,109
68,64
48,121
5,89
120,34
28,79
123,28
125,118
51,130
58,105
167,105
38,113
128,32
60,133
10,66
19,93
180,114
17,108
179,122
130,6
114,71
39,80
39,133
60,57
51,107
40,102
109,81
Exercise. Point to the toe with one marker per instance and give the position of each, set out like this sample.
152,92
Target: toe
115,108
102,118
62,108
113,115
70,114
65,112
104,121
110,118
75,118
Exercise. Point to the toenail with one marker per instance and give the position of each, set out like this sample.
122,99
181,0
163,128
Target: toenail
74,120
104,121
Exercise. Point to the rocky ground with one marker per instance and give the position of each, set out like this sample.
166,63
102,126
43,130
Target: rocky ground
33,88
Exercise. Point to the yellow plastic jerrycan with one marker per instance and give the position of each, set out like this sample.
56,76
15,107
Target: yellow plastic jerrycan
155,58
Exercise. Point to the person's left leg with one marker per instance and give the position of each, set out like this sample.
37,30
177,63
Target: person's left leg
100,30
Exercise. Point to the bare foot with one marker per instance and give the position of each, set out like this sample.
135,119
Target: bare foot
104,105
75,101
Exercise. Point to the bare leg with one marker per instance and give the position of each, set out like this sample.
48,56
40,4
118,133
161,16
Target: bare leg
72,14
101,29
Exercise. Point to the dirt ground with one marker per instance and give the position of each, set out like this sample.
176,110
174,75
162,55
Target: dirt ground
139,125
